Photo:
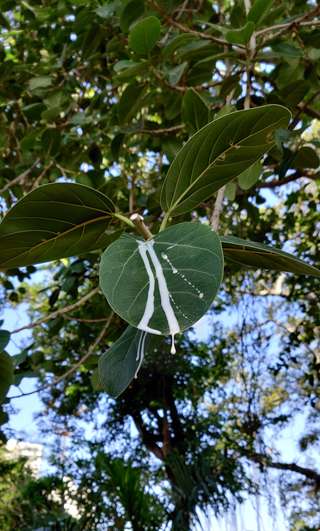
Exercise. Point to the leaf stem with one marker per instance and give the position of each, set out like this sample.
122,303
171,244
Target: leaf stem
140,226
124,219
164,221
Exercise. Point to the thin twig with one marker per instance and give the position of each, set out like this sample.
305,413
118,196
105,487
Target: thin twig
55,314
20,178
38,180
161,131
80,320
75,366
301,21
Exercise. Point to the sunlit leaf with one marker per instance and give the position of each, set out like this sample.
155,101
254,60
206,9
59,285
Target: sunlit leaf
166,284
218,153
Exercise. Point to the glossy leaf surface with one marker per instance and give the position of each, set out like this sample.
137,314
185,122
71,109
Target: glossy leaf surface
54,221
257,255
218,153
164,285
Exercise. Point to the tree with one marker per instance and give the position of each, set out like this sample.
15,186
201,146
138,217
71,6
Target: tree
107,102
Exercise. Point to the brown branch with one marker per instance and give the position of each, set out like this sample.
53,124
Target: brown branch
293,467
161,131
38,180
307,110
74,367
148,439
285,180
61,311
299,21
98,320
20,178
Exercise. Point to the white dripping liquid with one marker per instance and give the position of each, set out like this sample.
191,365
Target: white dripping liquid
181,275
145,249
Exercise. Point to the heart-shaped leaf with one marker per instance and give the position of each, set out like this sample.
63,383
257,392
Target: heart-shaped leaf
257,255
218,153
54,221
6,374
119,365
166,284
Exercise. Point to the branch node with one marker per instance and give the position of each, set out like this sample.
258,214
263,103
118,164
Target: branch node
141,227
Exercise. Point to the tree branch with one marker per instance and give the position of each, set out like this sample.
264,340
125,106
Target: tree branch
20,178
147,438
74,367
61,311
217,209
299,21
266,461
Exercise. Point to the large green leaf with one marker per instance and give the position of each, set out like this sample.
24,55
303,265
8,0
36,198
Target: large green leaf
257,255
166,284
218,153
54,221
6,374
119,365
144,35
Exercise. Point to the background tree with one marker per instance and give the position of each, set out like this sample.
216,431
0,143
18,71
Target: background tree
105,94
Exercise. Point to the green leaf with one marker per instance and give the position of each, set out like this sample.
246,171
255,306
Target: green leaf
257,255
131,11
54,221
259,10
240,35
144,35
106,10
175,74
306,158
250,176
4,339
130,102
176,43
218,153
195,112
3,417
166,284
40,82
128,69
231,191
119,365
6,374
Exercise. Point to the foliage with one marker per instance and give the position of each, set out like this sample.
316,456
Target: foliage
110,109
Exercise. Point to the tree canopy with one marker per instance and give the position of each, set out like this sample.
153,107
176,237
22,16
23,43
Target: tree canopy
160,163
